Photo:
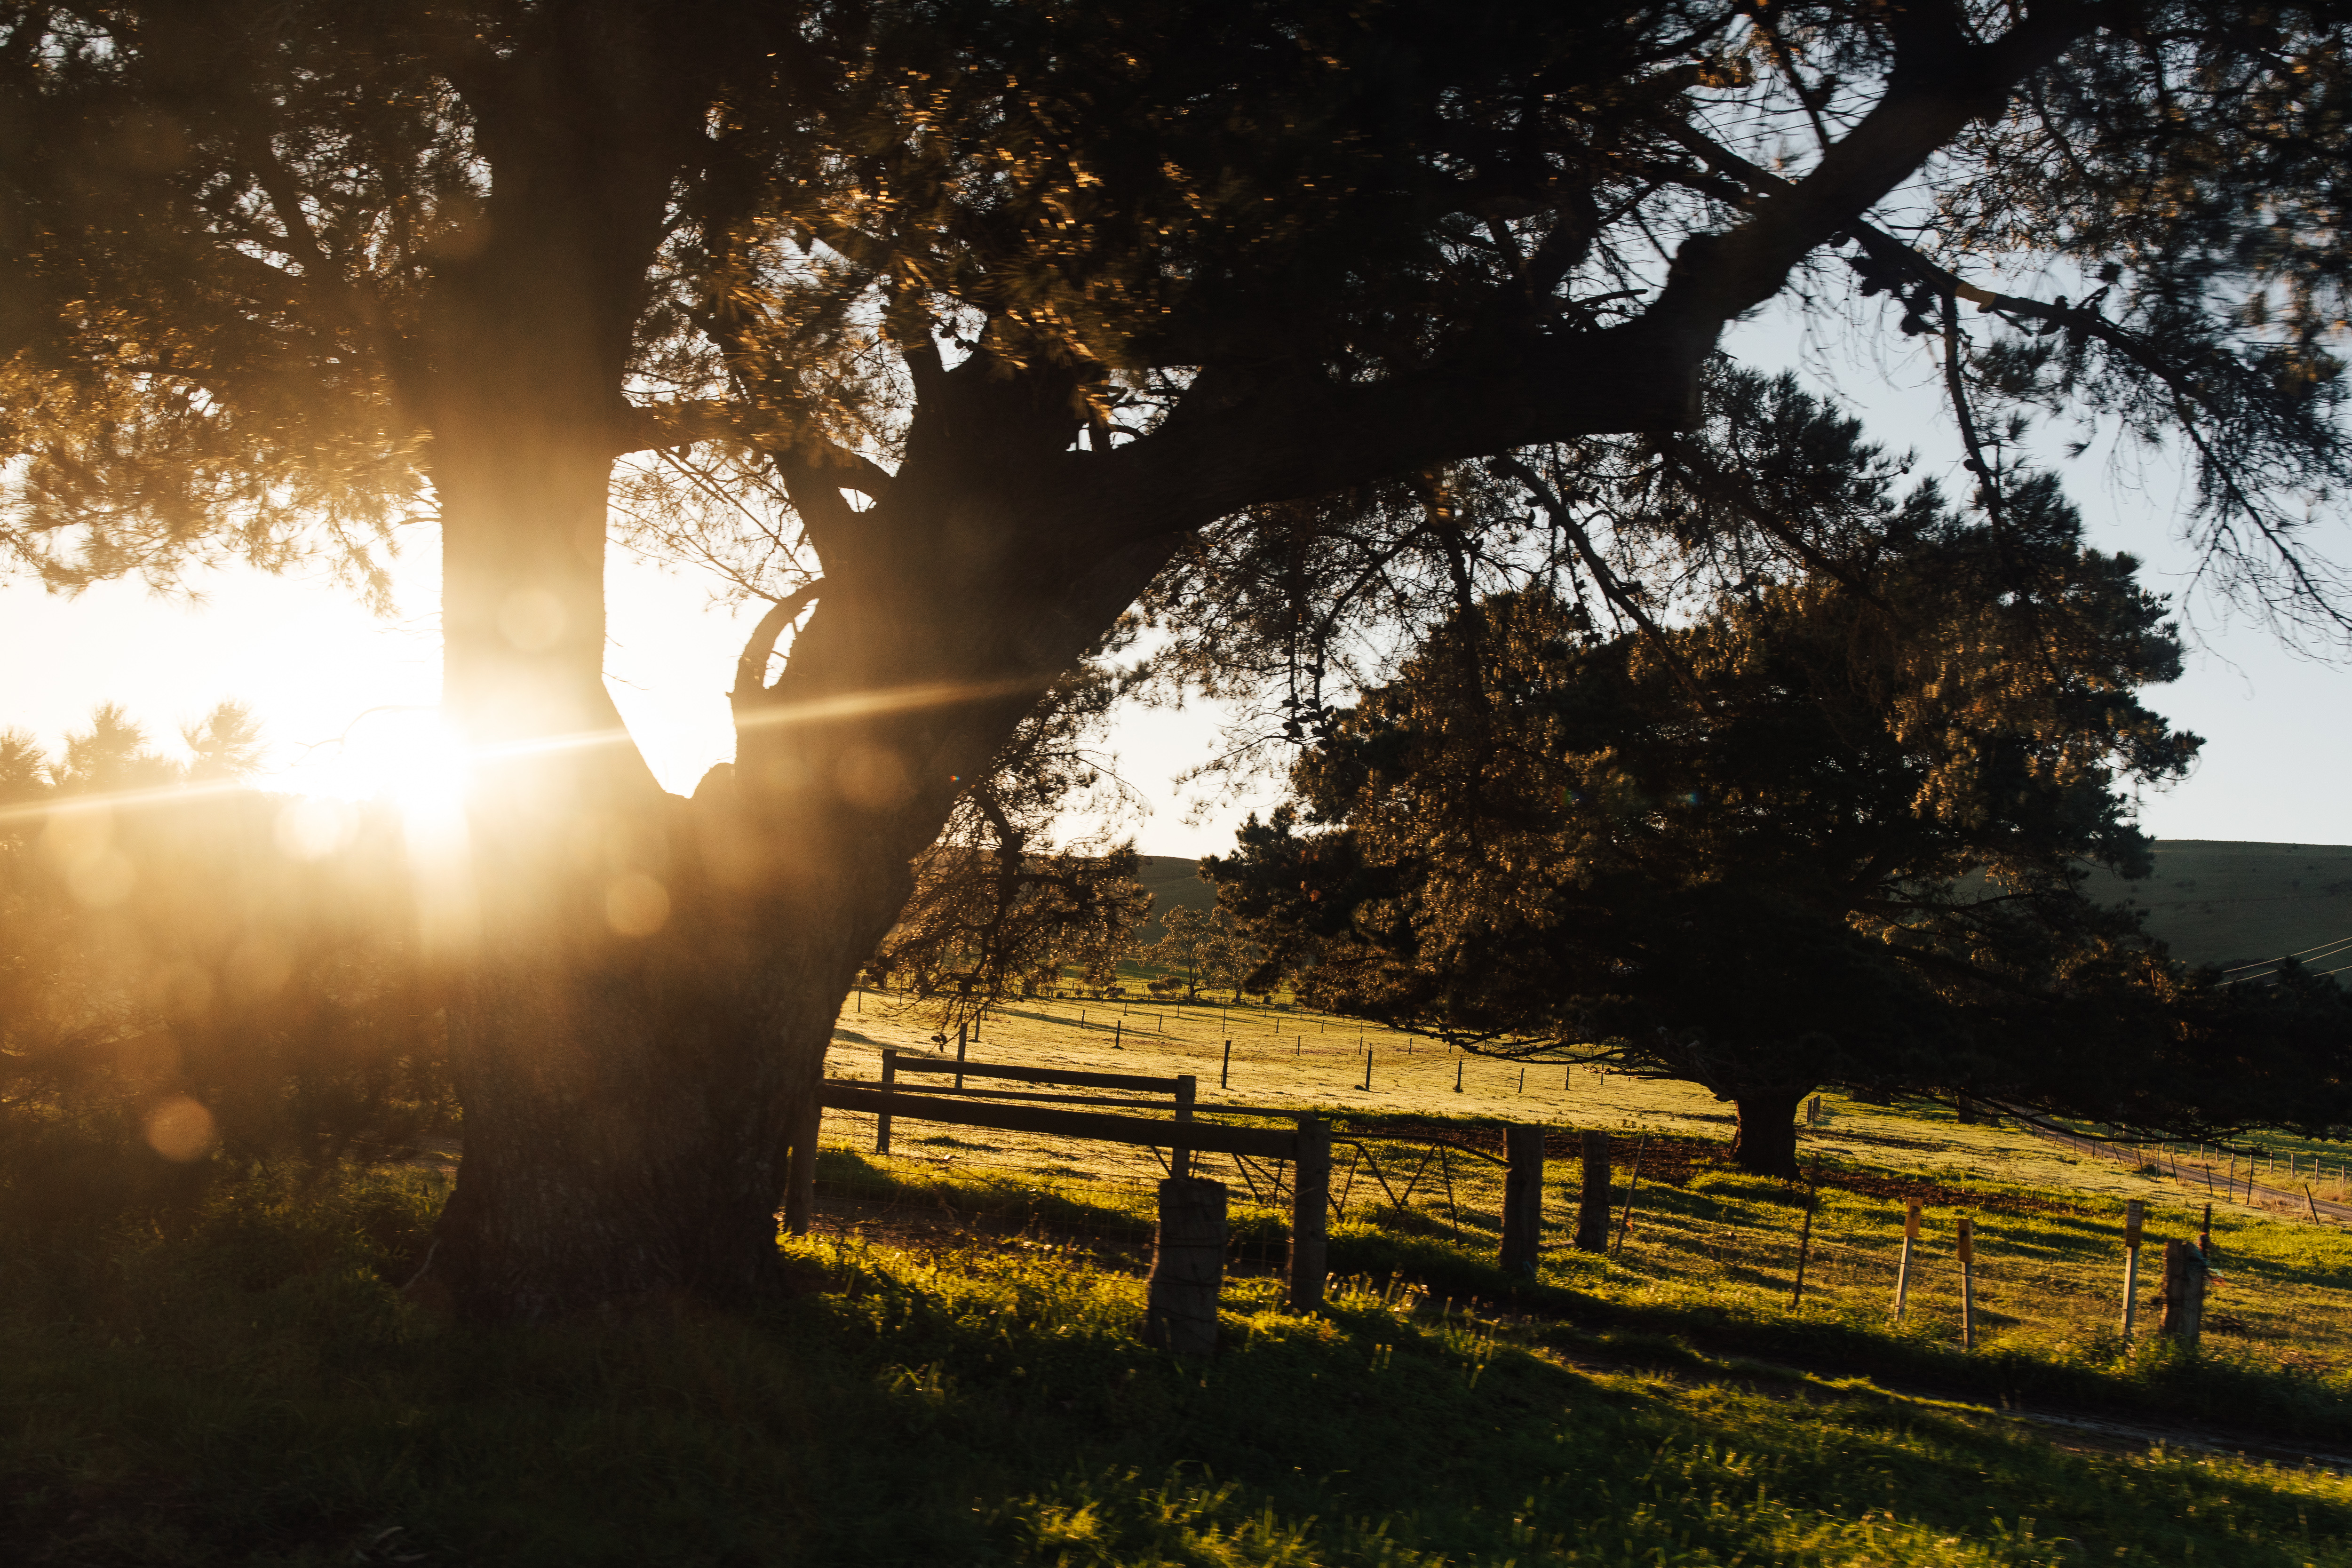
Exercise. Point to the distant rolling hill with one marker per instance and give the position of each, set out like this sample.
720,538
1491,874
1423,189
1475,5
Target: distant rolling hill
2214,901
1172,880
2218,900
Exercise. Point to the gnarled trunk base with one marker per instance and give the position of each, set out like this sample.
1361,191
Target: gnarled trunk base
1767,1142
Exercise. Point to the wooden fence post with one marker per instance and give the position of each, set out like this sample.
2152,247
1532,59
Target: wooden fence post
1225,1067
882,1122
1968,1283
1310,1190
1180,1158
1903,1269
800,1186
1805,1238
963,1031
1593,1200
2184,1293
1633,1180
2135,1218
1523,1199
1188,1267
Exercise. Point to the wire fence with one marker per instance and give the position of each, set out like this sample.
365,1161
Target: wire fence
2045,1265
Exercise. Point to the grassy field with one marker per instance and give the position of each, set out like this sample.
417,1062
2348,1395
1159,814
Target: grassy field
2214,901
249,1389
957,1377
1174,882
1287,1060
1707,1249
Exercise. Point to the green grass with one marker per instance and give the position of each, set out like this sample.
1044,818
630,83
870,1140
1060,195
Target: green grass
1708,1270
1174,882
249,1389
961,1381
2050,1223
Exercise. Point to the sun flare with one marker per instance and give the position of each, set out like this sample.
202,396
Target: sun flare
408,757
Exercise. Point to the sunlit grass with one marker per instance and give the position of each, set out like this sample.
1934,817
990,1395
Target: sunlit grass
253,1390
1714,1256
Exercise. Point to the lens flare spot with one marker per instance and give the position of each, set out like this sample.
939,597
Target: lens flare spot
532,619
875,778
179,1130
312,828
258,969
78,844
636,905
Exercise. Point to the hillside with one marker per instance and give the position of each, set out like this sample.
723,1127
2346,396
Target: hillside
2215,900
2226,901
1173,882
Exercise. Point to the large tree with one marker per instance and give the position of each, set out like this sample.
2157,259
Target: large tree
1833,831
1052,291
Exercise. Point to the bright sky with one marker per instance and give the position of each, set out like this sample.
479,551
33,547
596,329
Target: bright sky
331,682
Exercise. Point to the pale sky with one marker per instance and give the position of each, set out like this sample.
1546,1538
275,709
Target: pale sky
313,663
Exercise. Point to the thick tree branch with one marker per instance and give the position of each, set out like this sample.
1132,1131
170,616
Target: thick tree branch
1938,87
752,668
1266,436
652,426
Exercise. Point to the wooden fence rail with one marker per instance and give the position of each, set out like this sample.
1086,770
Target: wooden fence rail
1306,1146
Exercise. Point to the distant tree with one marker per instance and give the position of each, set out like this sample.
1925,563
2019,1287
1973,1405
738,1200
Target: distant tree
1200,949
1834,831
998,903
239,964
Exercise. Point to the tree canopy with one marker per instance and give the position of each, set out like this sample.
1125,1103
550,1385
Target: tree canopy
1833,832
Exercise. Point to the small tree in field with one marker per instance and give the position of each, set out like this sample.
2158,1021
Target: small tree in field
1202,950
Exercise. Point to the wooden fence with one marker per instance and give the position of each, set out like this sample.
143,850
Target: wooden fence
1304,1149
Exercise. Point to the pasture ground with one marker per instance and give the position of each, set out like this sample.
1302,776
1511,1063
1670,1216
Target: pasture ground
249,1388
957,1378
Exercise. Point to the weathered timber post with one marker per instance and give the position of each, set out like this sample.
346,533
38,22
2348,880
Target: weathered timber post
1188,1267
1903,1269
962,1032
2184,1293
1968,1283
1523,1199
1310,1192
882,1121
800,1184
1633,1181
1180,1158
1805,1237
2135,1218
1592,1199
1225,1067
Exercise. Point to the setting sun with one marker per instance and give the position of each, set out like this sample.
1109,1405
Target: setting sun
406,756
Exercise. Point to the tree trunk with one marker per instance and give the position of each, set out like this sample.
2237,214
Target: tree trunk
643,988
1767,1142
648,985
